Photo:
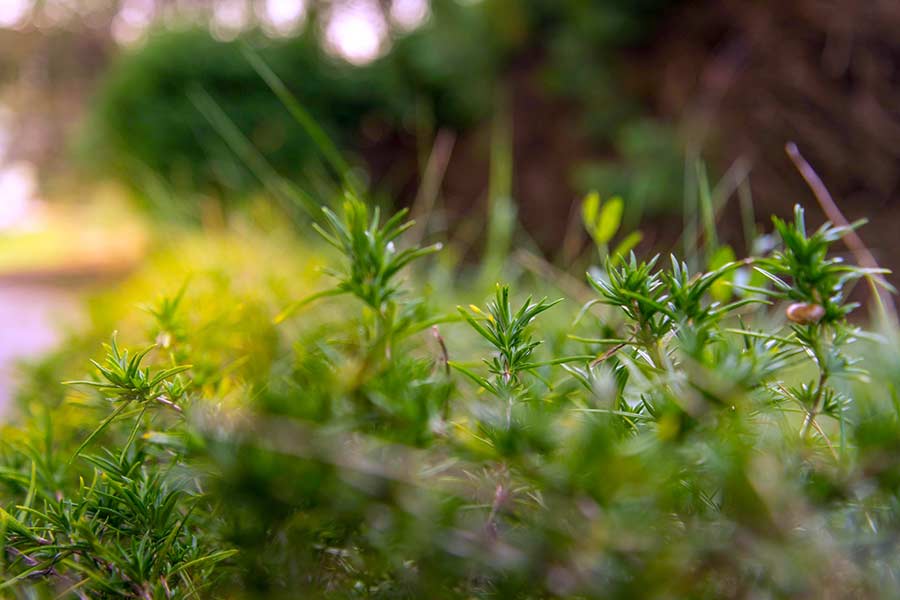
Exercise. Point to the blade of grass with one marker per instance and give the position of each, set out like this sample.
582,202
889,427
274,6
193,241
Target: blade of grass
707,212
100,428
501,210
748,216
328,149
289,195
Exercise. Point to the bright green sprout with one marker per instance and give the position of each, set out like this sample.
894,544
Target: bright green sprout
123,381
371,258
507,331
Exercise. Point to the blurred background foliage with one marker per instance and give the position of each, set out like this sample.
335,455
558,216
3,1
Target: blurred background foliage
467,61
454,68
607,94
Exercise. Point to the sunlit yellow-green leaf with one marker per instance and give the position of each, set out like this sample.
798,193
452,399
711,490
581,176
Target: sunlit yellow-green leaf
609,220
721,290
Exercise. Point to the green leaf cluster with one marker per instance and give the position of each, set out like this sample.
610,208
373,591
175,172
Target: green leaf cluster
657,442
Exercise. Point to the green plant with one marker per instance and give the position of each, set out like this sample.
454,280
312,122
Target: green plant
507,331
123,382
659,442
120,535
123,534
818,286
603,220
372,264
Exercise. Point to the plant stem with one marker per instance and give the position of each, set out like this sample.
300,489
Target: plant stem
817,401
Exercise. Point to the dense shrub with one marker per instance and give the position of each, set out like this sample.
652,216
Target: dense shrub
145,126
679,435
146,121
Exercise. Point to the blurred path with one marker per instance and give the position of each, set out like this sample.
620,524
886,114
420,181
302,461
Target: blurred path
51,254
32,319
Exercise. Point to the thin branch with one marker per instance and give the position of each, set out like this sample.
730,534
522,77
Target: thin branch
825,437
166,402
810,419
432,178
608,353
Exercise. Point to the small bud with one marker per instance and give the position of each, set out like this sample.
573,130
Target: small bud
804,313
164,339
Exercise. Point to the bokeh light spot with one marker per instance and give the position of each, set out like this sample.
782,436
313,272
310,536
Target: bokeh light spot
409,14
356,31
13,12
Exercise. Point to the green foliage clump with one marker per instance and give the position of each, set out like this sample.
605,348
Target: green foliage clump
146,126
147,129
656,442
